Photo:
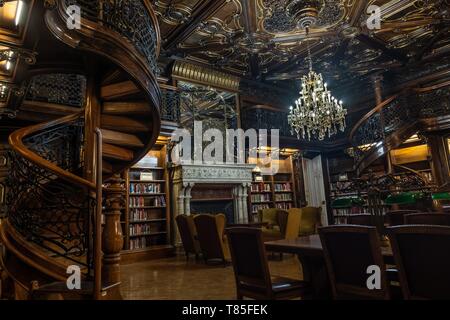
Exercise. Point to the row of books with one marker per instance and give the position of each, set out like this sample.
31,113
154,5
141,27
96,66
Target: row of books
284,205
260,197
142,215
136,202
261,187
283,197
257,207
144,242
145,229
283,187
145,188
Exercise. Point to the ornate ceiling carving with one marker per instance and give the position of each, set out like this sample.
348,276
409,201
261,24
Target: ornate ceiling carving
261,39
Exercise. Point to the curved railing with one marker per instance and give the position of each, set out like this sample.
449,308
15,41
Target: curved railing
48,202
394,120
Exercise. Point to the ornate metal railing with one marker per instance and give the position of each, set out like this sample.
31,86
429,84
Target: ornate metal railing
58,88
44,207
130,18
258,118
400,112
170,107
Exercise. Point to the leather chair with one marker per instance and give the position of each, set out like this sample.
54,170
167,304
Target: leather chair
348,252
310,221
423,260
271,218
363,219
188,235
435,219
211,235
397,217
251,269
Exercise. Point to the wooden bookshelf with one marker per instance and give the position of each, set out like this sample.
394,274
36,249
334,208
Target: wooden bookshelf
147,222
275,191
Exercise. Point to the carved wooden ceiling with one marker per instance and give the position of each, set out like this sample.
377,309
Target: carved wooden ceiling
258,38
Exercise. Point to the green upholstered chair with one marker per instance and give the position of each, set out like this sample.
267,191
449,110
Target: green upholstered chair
309,221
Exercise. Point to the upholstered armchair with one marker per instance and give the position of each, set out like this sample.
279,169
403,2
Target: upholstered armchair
188,235
211,235
271,229
310,220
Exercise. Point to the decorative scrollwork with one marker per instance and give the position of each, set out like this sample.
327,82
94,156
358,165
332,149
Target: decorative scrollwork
46,210
13,55
64,89
170,108
130,18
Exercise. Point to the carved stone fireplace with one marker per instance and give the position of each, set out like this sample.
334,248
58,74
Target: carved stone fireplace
213,180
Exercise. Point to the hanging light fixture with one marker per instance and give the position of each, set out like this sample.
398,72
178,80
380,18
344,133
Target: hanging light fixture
316,112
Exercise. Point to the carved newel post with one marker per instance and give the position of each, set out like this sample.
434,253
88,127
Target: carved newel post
112,237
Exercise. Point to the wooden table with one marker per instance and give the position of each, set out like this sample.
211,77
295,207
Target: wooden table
310,253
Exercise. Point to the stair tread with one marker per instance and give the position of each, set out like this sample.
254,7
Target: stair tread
87,287
124,124
121,139
117,153
128,108
118,90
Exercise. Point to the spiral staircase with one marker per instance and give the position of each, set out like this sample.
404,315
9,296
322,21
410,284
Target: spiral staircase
95,94
387,126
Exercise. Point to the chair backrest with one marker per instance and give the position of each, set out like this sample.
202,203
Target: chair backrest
249,258
188,233
422,257
293,223
397,218
210,232
363,219
269,216
310,220
283,217
435,219
349,251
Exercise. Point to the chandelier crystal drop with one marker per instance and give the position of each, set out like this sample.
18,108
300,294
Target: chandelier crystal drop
316,112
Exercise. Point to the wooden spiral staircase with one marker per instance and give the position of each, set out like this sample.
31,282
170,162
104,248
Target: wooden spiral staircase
388,125
98,86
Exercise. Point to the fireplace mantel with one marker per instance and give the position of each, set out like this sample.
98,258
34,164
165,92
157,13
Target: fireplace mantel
238,176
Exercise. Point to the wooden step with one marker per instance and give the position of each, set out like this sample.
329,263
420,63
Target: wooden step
128,108
112,77
121,139
118,90
117,153
124,124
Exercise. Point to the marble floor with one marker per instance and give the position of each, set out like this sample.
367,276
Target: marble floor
176,279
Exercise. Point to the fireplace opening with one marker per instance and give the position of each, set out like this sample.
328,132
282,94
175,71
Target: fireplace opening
214,207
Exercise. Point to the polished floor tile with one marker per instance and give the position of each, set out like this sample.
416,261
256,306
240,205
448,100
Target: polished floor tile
176,279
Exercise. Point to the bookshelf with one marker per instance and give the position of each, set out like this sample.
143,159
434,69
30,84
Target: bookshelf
274,191
147,222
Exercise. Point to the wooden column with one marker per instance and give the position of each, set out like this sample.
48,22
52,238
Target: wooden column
92,116
439,158
112,237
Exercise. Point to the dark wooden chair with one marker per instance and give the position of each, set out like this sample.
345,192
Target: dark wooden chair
363,219
397,218
435,219
211,236
251,270
348,252
422,257
188,235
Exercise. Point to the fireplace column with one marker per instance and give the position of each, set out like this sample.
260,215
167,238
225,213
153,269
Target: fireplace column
240,203
180,199
187,197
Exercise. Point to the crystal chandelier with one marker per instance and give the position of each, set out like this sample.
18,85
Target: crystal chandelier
316,113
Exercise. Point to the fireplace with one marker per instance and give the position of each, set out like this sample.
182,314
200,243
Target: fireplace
203,188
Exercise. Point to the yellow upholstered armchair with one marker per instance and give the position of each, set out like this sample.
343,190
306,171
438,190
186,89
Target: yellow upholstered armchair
211,235
271,219
310,220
